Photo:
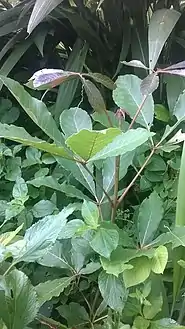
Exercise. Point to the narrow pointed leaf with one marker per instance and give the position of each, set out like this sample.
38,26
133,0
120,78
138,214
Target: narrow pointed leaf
135,63
94,96
35,108
41,9
160,27
149,84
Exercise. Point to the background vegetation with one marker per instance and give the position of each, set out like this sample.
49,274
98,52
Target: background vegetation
92,164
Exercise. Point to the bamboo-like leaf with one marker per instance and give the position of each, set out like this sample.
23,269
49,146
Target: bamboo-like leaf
178,271
41,9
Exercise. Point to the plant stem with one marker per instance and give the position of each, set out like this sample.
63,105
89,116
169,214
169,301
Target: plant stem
136,176
138,111
116,186
49,322
92,175
182,312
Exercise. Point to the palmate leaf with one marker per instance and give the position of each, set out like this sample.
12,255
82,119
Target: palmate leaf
18,298
20,135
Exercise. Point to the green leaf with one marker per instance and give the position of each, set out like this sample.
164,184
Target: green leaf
105,241
117,262
112,290
18,298
39,238
43,208
156,164
41,9
139,273
160,259
160,27
49,289
73,120
20,135
90,213
74,313
175,86
178,110
149,84
108,171
135,63
57,256
126,142
35,108
178,272
166,324
103,79
128,96
71,228
90,268
20,189
140,323
161,113
150,215
103,119
87,143
94,96
75,63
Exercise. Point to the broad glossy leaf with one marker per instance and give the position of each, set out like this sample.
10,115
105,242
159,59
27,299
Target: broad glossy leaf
20,135
43,208
128,96
53,288
139,273
160,27
161,113
159,260
90,213
90,268
105,241
112,290
102,118
149,84
39,238
41,9
71,228
94,96
18,298
175,86
126,142
35,108
73,120
87,143
179,110
150,215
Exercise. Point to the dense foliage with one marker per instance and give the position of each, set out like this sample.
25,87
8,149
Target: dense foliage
92,158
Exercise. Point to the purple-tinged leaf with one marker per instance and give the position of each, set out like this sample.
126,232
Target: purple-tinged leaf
180,72
51,77
180,65
149,84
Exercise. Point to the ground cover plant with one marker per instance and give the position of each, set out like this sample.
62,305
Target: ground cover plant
92,168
